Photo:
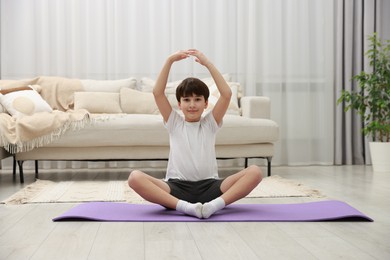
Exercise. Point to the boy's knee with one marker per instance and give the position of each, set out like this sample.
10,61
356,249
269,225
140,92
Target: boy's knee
256,172
134,178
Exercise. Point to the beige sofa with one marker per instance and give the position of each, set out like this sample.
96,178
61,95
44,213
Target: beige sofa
123,122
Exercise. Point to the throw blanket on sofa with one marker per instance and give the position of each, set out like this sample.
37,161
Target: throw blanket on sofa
58,91
29,132
24,133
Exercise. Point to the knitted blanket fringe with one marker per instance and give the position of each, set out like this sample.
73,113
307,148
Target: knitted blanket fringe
25,146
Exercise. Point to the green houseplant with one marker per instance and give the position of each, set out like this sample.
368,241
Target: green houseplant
372,99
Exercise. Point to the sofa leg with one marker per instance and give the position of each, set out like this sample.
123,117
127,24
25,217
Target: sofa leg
269,159
14,167
246,162
36,169
20,163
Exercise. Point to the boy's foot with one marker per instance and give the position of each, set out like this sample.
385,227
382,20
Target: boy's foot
213,206
192,209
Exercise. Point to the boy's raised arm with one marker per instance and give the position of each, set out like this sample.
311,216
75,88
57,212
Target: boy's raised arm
159,89
223,102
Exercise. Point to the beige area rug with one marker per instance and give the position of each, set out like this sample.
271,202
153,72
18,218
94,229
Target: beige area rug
43,191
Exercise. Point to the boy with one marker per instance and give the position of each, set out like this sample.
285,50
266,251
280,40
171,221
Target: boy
192,185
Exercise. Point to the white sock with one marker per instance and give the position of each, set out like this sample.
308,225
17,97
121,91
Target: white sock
213,206
192,209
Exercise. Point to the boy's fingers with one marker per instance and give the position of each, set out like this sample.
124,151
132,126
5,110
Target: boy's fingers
193,52
183,54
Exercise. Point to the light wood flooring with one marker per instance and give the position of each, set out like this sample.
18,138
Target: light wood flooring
27,232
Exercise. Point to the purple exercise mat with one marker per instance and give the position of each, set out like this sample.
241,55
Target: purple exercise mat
310,211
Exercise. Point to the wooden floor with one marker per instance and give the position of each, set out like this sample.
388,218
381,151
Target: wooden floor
27,232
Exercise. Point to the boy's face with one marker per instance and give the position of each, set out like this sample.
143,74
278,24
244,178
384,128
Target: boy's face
192,107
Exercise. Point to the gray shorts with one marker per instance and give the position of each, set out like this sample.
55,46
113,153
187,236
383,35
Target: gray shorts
195,191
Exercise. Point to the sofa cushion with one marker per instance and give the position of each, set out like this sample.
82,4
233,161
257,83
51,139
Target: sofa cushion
137,102
243,130
23,101
97,102
117,130
91,85
233,108
148,130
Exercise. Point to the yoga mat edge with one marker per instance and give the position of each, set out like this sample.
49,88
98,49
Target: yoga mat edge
329,210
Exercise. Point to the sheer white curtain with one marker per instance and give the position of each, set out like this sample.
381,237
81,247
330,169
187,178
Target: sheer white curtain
295,63
281,49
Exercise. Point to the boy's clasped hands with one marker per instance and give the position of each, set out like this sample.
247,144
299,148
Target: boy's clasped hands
199,56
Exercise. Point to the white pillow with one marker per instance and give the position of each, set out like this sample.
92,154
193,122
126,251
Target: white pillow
91,85
97,102
173,101
137,102
233,108
210,81
147,84
23,102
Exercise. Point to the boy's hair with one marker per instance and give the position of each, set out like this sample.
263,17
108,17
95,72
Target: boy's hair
191,86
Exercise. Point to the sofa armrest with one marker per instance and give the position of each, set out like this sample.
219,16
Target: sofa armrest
256,107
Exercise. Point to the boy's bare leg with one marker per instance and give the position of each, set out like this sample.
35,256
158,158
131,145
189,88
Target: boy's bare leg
152,189
238,185
234,187
157,191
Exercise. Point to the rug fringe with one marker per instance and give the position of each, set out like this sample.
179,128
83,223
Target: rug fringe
292,187
28,192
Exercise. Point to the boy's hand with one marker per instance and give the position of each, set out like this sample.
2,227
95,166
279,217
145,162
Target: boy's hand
199,57
180,55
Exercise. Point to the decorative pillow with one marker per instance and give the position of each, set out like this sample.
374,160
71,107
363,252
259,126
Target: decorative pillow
233,108
137,102
91,85
97,102
173,101
23,101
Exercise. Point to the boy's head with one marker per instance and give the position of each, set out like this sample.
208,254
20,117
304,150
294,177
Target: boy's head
190,87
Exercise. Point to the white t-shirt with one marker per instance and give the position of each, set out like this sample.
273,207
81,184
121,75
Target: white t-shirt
192,148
